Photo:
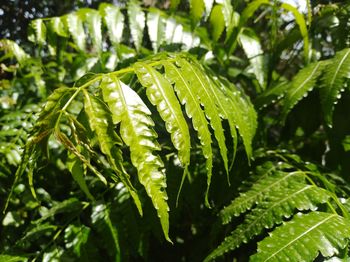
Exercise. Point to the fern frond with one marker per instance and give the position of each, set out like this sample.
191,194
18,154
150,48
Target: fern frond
261,189
207,97
101,122
188,97
161,93
333,82
242,114
279,205
137,133
302,83
308,234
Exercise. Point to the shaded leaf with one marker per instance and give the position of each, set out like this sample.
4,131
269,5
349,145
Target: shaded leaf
333,82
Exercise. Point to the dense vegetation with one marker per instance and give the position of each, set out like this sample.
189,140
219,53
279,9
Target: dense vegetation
187,131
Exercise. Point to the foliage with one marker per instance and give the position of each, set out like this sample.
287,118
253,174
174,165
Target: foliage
215,116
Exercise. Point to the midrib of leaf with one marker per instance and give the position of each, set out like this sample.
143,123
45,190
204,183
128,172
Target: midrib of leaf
289,196
237,240
180,122
199,121
300,236
258,193
159,201
338,67
214,118
306,80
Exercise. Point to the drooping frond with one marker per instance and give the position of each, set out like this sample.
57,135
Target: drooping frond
114,115
333,82
161,93
137,133
308,234
100,120
204,92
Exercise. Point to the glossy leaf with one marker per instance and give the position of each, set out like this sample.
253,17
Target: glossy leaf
197,9
270,212
137,133
253,50
100,120
217,22
260,190
76,29
330,231
333,82
38,31
137,22
114,20
93,20
301,84
161,94
156,26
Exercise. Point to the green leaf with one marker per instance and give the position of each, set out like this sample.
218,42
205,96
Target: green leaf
114,20
13,49
279,205
76,237
194,111
161,94
308,234
217,22
253,50
271,95
227,14
58,26
67,206
332,82
93,21
196,10
76,29
242,113
260,190
156,28
174,3
100,119
137,133
37,31
101,220
208,98
137,22
76,168
301,84
11,258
